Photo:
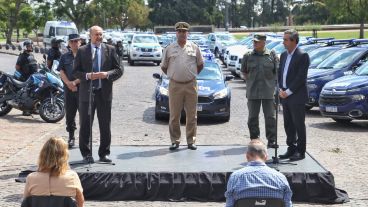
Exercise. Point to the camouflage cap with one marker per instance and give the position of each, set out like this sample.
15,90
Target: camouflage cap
182,26
259,37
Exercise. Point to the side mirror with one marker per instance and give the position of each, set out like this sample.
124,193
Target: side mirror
213,39
44,56
229,77
129,42
156,76
161,42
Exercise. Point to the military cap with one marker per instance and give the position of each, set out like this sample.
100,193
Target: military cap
74,37
182,26
259,37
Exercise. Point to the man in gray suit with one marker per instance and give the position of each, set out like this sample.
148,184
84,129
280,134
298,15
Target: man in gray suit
96,62
292,76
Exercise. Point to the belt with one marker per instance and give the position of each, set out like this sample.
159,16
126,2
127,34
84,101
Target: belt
182,82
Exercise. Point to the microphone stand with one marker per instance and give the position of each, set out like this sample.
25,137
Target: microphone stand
275,159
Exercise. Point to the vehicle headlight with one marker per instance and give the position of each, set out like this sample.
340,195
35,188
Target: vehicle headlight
221,94
156,49
312,86
163,91
311,80
357,97
354,90
137,49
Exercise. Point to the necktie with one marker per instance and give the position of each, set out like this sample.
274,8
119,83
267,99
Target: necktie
96,83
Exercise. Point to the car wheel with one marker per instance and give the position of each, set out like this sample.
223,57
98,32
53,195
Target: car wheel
159,116
158,63
308,107
131,63
342,121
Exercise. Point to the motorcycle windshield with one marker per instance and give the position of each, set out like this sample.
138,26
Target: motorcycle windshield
54,80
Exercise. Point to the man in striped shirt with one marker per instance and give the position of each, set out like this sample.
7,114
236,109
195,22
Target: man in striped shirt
257,180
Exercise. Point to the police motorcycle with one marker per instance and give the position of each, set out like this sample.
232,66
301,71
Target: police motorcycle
41,94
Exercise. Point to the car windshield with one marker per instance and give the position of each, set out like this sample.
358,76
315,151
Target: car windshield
272,44
211,71
318,55
362,70
279,49
145,39
309,48
340,59
64,31
225,37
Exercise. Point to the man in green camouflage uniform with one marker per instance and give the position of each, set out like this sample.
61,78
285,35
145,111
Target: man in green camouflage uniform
259,68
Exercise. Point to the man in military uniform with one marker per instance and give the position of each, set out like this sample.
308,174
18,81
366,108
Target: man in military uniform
181,62
259,70
54,53
70,86
26,64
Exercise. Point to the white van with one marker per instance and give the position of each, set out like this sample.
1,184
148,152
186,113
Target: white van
58,29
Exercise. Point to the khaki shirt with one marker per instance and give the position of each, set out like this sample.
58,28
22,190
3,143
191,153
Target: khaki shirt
261,71
181,63
40,184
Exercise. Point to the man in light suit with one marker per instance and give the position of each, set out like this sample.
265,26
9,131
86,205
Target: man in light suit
292,76
96,62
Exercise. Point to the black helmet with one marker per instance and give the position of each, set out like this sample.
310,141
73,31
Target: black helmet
27,43
55,41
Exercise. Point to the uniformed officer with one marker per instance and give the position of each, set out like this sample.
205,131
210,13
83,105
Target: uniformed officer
259,70
70,86
26,64
181,62
54,53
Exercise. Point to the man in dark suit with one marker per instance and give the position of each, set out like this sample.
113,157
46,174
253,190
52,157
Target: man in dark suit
292,78
96,62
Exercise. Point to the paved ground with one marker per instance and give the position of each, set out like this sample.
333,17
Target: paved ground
340,148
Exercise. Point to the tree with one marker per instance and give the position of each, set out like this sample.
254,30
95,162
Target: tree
73,10
137,14
9,12
355,10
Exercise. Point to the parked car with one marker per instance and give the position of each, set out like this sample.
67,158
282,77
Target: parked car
214,95
144,47
332,68
346,98
218,41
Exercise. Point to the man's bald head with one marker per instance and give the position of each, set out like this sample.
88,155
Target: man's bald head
96,34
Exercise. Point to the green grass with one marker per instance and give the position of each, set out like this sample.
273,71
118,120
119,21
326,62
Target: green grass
336,34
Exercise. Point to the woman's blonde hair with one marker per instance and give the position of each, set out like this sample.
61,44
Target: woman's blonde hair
54,157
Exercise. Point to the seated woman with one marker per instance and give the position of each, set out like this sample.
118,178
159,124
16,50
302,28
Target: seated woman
53,176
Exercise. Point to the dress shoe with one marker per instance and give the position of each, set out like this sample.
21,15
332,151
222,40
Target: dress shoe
271,144
287,155
174,146
71,143
88,159
297,156
105,158
192,146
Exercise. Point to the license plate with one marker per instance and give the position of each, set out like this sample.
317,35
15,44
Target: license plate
146,53
331,109
199,107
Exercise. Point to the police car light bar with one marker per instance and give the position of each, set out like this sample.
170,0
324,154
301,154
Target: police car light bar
316,40
339,42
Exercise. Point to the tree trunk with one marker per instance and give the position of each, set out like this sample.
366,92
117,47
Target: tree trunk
361,32
12,22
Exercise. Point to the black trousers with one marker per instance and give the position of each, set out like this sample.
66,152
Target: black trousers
294,124
71,108
104,121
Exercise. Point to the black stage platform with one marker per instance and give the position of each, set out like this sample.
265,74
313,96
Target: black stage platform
155,173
